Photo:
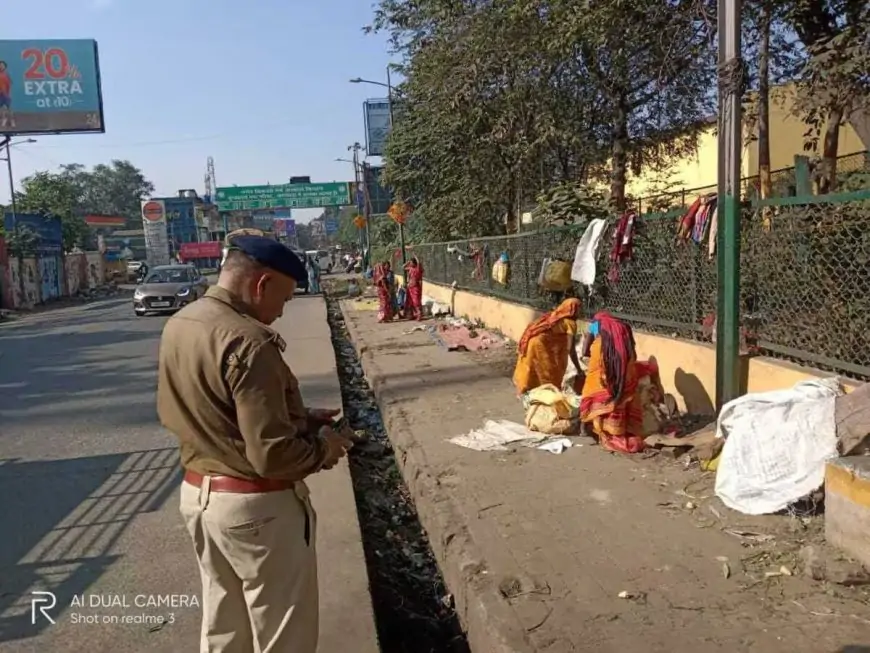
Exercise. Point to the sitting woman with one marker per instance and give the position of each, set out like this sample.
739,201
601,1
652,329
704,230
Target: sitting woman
546,347
612,404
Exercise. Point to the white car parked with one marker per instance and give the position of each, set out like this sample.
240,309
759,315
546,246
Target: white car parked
323,259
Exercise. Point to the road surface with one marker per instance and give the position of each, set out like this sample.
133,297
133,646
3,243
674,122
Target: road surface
89,489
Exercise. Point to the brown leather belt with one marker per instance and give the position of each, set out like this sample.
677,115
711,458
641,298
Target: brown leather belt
238,485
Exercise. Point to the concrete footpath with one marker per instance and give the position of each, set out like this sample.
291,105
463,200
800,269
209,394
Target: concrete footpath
346,616
583,551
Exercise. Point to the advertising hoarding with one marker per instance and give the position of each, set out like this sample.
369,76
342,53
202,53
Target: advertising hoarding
156,236
377,125
50,87
208,249
266,219
47,230
285,227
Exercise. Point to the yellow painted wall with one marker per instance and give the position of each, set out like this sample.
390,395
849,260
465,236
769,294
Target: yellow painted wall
787,134
688,369
694,171
699,169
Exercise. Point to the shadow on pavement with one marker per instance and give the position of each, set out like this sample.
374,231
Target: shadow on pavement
61,520
48,374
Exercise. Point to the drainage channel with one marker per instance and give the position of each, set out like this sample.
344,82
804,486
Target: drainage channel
413,610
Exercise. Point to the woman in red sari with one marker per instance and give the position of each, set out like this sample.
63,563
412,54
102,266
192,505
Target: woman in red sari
383,277
414,283
612,404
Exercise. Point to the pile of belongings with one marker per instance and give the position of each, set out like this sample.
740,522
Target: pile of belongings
552,411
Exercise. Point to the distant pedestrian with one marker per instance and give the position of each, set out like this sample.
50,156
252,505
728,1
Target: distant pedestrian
414,281
247,445
313,268
385,283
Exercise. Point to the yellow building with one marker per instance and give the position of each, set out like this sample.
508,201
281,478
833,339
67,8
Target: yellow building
698,170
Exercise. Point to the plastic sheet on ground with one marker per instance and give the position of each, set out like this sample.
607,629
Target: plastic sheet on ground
456,336
434,308
776,446
504,434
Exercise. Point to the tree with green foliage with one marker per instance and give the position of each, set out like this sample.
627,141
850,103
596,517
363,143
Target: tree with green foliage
54,194
503,100
74,192
833,80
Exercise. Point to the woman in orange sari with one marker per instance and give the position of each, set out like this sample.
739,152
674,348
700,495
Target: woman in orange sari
546,347
611,403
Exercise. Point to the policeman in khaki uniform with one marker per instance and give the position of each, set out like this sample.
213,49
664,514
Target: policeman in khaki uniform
247,444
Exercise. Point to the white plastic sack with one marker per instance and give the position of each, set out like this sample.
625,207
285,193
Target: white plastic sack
776,446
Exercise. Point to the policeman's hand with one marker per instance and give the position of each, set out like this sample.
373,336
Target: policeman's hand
323,415
337,446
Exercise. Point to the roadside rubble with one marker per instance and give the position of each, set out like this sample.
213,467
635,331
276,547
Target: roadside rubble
414,611
557,536
789,543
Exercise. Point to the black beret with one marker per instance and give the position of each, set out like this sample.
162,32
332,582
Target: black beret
271,254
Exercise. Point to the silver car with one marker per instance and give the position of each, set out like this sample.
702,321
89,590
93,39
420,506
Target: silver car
167,288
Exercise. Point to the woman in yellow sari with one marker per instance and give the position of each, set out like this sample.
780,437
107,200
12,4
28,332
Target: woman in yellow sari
546,347
612,403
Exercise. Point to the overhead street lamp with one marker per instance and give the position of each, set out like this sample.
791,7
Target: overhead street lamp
7,142
389,86
358,167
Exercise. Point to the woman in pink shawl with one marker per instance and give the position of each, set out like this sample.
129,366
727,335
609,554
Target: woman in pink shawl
384,280
414,271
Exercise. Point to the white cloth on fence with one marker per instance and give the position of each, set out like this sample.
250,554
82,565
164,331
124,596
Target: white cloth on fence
583,270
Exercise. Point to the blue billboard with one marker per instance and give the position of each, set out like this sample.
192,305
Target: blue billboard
265,220
48,231
50,87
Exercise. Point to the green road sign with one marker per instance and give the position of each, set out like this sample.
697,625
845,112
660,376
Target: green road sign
283,196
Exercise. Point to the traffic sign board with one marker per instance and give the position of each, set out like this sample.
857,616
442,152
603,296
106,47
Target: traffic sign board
283,196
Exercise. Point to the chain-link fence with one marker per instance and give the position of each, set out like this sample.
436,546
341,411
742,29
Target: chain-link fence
805,268
805,278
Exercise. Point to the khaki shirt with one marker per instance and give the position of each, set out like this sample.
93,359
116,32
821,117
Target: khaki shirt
225,391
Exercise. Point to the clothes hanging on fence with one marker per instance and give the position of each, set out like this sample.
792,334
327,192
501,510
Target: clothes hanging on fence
714,232
477,254
623,243
696,223
583,270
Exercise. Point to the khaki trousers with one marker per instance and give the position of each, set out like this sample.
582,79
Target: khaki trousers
258,566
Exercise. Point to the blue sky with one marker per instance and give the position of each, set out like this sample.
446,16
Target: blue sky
261,86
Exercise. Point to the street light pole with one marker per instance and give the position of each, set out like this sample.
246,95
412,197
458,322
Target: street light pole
8,144
390,107
730,146
355,148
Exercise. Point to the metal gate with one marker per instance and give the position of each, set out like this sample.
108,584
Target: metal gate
50,276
